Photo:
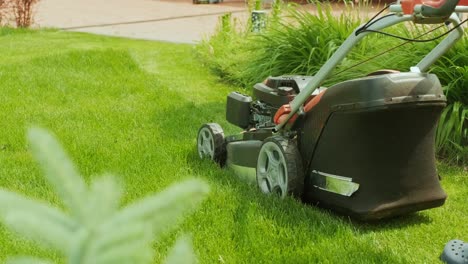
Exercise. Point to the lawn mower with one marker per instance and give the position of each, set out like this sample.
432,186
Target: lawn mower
362,147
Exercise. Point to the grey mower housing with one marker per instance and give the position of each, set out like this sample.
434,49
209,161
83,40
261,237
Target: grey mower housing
376,132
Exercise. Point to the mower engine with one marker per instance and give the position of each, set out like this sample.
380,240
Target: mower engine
262,115
246,113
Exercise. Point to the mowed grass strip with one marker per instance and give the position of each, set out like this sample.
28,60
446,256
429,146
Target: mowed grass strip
132,108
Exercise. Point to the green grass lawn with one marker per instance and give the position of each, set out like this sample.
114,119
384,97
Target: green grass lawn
133,108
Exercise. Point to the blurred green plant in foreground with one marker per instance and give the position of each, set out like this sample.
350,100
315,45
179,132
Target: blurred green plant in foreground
94,229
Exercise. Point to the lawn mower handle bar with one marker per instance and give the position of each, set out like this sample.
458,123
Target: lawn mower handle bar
297,103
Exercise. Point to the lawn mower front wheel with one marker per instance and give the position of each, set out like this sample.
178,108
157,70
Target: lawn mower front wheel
279,168
210,143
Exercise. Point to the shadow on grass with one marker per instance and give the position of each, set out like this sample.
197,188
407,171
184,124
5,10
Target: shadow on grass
398,222
291,223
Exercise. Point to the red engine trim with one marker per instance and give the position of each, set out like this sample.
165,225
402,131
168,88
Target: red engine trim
282,113
309,105
285,110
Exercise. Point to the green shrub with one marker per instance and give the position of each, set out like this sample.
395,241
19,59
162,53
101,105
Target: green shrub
227,52
295,42
299,43
452,70
452,134
94,230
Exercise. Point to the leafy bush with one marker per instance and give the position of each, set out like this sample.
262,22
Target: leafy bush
452,70
227,52
452,133
301,42
93,230
452,137
295,42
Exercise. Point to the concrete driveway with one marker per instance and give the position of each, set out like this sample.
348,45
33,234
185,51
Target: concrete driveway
178,21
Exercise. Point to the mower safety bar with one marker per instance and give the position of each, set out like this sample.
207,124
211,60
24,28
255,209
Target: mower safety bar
297,103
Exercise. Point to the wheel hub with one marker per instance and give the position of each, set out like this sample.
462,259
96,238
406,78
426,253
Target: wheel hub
271,169
205,144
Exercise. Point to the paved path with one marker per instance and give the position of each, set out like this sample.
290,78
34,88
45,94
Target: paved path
167,20
178,21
